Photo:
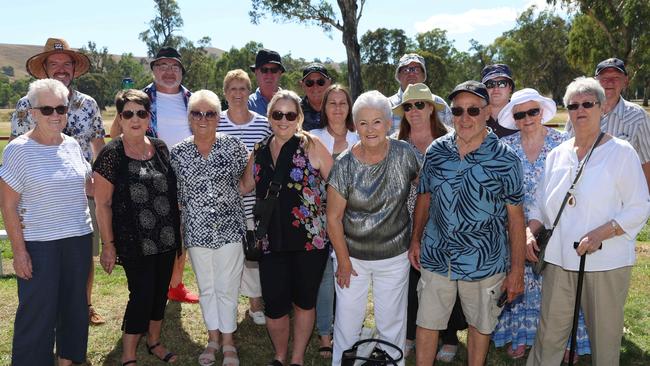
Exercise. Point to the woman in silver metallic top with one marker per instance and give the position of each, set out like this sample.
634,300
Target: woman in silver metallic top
369,226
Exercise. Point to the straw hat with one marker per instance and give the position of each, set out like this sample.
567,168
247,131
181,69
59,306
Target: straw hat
35,65
417,91
547,106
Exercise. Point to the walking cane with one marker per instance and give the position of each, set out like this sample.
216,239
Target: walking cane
576,309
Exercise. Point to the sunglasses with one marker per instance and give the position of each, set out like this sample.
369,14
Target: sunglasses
141,113
309,82
198,115
521,115
47,110
499,84
472,111
272,70
410,70
585,105
277,115
419,105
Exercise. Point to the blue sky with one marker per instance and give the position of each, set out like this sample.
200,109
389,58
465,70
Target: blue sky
227,23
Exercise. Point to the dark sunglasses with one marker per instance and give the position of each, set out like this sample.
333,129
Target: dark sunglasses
198,115
419,105
309,82
585,105
472,111
141,113
521,115
47,110
498,83
277,115
272,70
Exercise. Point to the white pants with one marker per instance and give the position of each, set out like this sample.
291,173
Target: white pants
250,279
389,279
218,274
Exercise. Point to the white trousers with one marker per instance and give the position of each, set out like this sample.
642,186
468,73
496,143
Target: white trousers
389,278
218,274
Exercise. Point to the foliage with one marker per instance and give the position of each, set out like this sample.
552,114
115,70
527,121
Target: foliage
380,52
162,27
12,90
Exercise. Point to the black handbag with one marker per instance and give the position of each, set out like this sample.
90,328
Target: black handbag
544,235
378,357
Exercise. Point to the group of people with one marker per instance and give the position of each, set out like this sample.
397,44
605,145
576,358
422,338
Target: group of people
434,205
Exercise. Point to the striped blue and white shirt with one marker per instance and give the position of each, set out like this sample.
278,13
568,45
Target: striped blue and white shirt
51,182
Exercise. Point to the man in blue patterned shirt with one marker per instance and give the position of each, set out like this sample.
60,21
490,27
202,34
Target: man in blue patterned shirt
470,197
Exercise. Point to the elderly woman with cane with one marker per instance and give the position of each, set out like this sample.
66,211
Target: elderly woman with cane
607,204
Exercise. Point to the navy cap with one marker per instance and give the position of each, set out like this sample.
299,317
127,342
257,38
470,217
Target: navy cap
167,52
315,67
612,63
490,72
470,86
266,56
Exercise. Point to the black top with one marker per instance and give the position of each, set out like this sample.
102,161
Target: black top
499,130
312,116
144,204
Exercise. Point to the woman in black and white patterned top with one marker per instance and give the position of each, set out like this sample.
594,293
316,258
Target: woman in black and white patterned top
208,167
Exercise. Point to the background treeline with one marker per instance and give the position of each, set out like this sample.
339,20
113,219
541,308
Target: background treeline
544,50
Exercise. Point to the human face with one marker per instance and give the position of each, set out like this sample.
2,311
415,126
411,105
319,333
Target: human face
315,92
337,108
135,126
55,122
468,128
528,124
60,66
372,127
268,81
410,74
283,128
585,118
613,81
203,119
167,75
237,94
415,116
500,96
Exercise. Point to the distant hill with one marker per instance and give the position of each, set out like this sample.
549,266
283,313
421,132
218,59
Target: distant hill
15,56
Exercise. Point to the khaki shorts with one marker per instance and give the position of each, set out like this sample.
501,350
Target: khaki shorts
437,295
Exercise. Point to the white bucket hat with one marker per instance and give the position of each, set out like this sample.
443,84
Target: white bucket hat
547,106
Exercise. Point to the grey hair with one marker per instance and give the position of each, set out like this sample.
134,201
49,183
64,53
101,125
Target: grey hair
375,100
204,95
584,85
39,87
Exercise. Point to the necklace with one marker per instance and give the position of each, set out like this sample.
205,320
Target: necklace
134,152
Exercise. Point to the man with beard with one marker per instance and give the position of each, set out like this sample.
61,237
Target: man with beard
58,61
268,70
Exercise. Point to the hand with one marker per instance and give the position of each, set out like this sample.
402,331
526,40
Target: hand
531,247
343,272
23,265
590,243
107,258
513,284
414,254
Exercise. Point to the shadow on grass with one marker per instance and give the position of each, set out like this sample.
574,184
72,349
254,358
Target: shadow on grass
632,355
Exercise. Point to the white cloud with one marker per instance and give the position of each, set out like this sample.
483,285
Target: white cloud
468,21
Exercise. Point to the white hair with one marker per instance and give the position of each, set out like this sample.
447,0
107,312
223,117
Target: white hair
204,95
584,85
374,100
39,87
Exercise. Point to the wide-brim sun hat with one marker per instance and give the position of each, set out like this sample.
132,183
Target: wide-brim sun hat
547,105
35,65
417,91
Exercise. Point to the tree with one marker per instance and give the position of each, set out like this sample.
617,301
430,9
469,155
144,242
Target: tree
380,52
100,60
321,13
439,54
162,27
198,64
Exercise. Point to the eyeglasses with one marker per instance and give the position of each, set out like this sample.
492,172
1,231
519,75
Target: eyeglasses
410,70
585,105
272,70
498,83
141,113
198,115
419,105
166,67
47,110
521,115
277,115
472,111
309,82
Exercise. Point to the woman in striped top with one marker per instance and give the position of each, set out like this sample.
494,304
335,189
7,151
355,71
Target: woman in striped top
45,210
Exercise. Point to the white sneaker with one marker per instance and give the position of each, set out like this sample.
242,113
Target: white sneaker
258,317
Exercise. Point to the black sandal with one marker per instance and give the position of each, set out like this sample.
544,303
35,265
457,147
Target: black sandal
129,362
167,357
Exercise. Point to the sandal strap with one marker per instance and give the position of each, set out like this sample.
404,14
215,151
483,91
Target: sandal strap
228,348
151,347
129,362
168,356
230,361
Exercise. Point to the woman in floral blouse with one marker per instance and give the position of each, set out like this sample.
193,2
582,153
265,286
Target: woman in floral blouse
208,167
295,249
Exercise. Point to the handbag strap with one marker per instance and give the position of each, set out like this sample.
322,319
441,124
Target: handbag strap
575,181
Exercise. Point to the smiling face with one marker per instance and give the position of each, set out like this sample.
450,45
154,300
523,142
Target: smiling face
529,123
336,108
60,66
203,119
372,127
468,128
417,117
237,94
315,91
613,81
136,126
283,128
55,122
167,75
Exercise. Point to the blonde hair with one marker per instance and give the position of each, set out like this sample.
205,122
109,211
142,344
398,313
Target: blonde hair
291,96
236,74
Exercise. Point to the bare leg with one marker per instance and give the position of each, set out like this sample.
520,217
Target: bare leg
153,337
177,273
255,303
129,346
303,324
477,346
91,279
279,332
426,346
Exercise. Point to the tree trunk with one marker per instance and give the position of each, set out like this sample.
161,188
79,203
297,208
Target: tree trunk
646,90
349,14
